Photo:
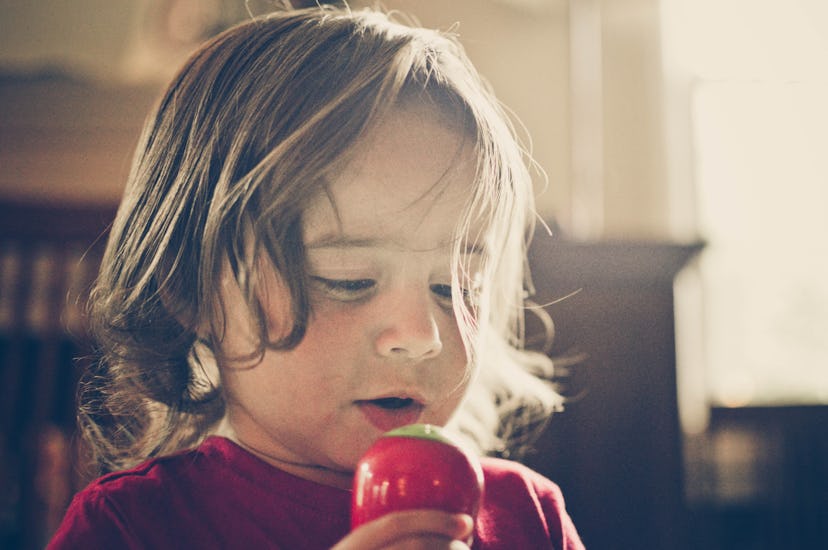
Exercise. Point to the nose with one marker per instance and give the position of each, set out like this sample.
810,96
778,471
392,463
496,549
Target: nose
409,330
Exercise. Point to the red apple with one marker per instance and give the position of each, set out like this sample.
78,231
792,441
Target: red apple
416,466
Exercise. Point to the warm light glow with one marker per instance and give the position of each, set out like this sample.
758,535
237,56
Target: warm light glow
760,127
402,487
735,389
726,39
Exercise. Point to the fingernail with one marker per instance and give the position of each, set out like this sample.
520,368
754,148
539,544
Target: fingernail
466,523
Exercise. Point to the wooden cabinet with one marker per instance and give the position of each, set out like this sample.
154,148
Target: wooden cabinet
616,449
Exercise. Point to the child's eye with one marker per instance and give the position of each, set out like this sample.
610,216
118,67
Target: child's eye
443,292
346,289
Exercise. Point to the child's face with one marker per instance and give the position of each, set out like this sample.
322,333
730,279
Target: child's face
382,346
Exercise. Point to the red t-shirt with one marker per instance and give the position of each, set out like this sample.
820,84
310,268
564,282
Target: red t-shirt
220,496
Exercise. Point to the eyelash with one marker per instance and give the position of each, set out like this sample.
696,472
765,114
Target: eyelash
356,289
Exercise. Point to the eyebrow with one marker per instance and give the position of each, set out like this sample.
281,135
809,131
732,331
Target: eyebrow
345,241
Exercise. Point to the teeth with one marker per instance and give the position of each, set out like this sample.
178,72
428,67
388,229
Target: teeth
392,402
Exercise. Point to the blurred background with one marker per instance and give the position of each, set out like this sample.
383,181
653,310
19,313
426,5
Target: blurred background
682,160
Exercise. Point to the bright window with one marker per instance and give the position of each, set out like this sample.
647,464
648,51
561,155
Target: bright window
758,75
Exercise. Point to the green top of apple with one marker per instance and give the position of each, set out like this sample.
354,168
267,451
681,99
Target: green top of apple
423,431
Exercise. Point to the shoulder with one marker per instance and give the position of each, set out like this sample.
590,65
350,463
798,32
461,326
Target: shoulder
217,495
509,472
149,478
521,502
104,513
509,480
94,519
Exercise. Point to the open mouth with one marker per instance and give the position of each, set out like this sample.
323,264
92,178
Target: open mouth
387,413
392,403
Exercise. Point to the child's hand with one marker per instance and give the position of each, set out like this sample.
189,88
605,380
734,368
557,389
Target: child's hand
412,529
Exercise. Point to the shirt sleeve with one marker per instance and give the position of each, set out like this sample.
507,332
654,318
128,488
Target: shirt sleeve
561,527
523,507
92,522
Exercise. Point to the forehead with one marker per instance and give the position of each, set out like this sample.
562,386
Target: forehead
407,182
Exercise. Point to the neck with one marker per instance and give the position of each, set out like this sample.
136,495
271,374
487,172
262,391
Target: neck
341,479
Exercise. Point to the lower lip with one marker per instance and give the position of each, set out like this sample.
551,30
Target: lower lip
388,419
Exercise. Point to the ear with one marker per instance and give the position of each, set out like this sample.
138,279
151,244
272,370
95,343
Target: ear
273,293
239,330
204,364
231,326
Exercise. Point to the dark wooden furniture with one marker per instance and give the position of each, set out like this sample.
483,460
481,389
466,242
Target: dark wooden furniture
759,478
48,257
616,449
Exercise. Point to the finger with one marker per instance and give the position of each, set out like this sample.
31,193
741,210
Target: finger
397,526
428,542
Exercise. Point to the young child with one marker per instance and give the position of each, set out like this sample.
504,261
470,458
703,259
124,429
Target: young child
323,237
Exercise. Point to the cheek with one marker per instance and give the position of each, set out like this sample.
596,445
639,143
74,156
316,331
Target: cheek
454,371
333,338
463,358
453,342
451,331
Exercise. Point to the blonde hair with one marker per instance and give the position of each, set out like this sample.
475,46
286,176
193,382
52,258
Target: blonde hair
236,148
